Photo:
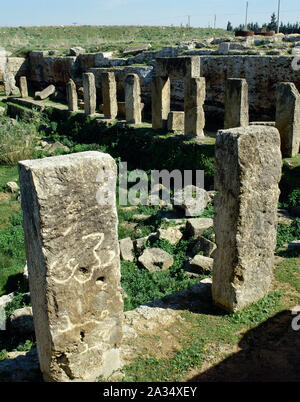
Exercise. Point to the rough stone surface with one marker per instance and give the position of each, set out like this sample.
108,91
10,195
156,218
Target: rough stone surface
195,227
45,93
6,299
205,246
248,170
13,187
126,249
72,250
72,96
288,118
194,97
201,263
191,199
136,49
23,87
187,66
133,99
161,100
155,259
109,95
76,51
171,234
21,321
10,84
89,93
176,122
236,103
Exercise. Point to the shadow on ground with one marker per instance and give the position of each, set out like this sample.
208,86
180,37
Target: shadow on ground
270,352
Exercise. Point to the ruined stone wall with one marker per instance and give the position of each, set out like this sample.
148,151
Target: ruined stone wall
262,73
145,74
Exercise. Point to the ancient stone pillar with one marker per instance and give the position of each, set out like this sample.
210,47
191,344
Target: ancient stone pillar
288,118
9,83
23,87
89,93
176,122
236,103
109,95
248,170
161,99
72,250
194,96
72,96
133,99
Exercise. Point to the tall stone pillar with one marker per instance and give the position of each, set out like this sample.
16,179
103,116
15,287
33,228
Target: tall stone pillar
89,93
23,87
161,100
72,250
248,170
133,99
236,103
109,95
194,97
72,96
288,118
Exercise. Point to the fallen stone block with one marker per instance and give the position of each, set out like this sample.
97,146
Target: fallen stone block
21,321
126,249
155,259
172,234
200,264
204,246
195,227
45,93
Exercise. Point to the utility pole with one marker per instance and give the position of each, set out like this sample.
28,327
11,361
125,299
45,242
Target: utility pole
246,20
278,20
215,21
189,21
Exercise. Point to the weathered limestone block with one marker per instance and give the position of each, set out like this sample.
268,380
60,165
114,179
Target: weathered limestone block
109,95
161,100
10,84
156,259
72,96
248,170
186,66
45,93
133,99
236,103
194,97
72,250
288,118
176,121
23,87
89,93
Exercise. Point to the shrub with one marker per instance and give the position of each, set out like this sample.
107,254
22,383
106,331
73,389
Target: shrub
17,141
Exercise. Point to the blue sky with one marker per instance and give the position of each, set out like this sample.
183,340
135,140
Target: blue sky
141,12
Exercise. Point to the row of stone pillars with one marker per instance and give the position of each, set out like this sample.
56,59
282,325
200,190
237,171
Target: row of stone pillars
287,119
133,104
73,258
192,119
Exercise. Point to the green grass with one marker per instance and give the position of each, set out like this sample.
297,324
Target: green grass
12,256
196,339
142,286
20,40
286,234
288,271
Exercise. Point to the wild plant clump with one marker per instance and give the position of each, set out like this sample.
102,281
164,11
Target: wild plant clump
18,140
